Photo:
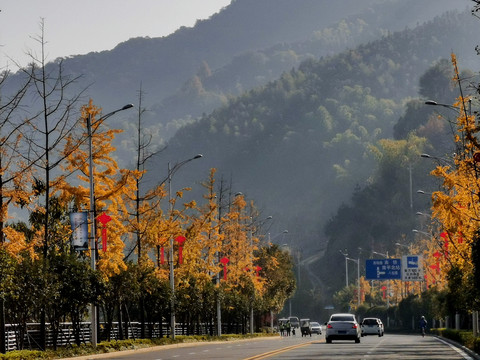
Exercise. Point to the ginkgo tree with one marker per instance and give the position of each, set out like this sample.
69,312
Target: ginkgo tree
112,187
456,208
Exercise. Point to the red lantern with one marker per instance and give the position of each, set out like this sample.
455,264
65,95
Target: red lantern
435,266
104,219
445,248
257,270
224,261
180,240
162,250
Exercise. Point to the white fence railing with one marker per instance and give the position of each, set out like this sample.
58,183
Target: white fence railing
66,334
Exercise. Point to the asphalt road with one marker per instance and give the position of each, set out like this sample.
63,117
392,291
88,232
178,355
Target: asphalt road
388,347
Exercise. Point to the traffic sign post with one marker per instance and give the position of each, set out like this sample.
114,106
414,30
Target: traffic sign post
383,269
412,268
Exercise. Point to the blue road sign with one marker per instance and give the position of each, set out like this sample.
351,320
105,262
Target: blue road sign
412,268
412,261
383,269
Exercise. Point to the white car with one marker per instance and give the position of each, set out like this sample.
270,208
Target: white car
316,328
372,326
342,327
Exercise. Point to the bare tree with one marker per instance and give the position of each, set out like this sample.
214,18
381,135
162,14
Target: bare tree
13,171
147,202
53,120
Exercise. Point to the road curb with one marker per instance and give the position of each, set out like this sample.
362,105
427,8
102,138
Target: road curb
470,352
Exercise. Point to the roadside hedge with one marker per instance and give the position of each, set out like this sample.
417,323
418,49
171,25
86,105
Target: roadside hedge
463,337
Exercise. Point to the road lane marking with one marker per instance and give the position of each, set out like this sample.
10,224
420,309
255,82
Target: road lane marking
279,351
458,350
372,349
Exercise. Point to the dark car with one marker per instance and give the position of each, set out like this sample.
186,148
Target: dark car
294,321
305,327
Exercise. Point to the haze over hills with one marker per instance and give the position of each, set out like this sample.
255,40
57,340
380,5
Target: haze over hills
286,101
247,44
260,139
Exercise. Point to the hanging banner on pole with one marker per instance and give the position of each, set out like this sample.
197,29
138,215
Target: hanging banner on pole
79,223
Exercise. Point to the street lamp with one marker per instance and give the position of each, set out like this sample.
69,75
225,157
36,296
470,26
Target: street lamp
171,172
419,213
421,232
458,110
423,192
357,261
388,281
434,103
250,236
437,158
346,266
277,235
92,210
409,247
358,276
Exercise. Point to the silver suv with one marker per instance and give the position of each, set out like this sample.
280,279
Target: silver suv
342,327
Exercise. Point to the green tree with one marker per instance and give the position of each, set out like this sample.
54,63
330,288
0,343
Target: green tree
279,277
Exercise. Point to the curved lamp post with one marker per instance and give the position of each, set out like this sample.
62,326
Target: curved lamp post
92,210
458,110
423,192
357,261
346,266
171,172
434,103
277,235
388,281
421,232
250,237
409,247
437,158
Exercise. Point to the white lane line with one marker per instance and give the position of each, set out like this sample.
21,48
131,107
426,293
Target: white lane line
372,350
458,350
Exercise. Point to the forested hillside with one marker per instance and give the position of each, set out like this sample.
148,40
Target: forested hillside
247,44
300,144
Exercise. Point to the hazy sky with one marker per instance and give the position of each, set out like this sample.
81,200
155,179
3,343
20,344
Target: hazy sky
74,27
